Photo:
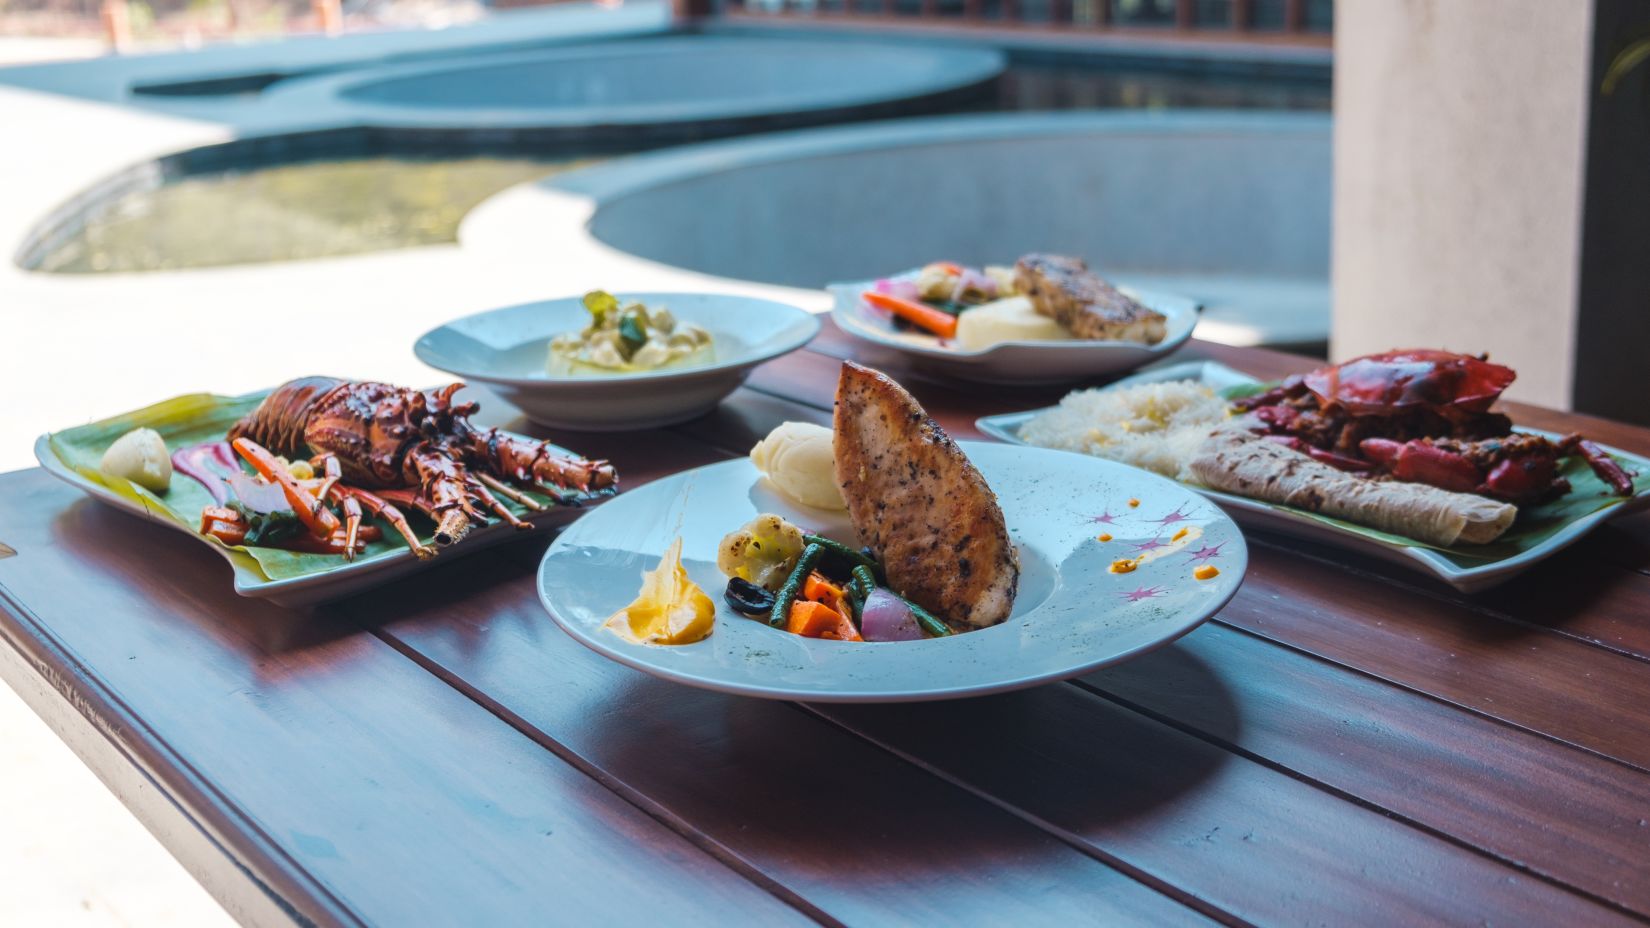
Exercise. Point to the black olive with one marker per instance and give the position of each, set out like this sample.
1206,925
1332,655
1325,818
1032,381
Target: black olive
747,598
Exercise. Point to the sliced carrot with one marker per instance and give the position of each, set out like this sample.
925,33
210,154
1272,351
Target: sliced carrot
950,267
844,631
318,518
927,317
223,524
811,620
821,590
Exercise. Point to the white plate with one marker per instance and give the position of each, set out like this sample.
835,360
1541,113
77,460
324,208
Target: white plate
1022,362
346,579
508,349
1072,614
1465,574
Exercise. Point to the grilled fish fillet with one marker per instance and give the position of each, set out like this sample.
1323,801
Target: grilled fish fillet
915,498
1065,290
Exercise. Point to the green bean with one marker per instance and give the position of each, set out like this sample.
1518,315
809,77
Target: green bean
860,586
930,624
843,551
863,581
781,614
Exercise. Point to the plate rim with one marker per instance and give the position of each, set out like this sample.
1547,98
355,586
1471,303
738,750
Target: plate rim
1004,427
759,354
630,656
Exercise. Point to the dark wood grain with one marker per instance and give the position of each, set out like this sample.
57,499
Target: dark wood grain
859,834
1251,840
1346,744
335,770
1569,815
811,805
1599,874
1565,689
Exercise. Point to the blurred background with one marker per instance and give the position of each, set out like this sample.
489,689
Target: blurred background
221,194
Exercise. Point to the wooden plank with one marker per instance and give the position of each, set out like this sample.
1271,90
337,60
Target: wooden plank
346,779
858,834
1597,873
1569,815
1567,690
1255,842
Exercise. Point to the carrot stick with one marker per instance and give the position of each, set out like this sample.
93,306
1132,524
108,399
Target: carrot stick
224,524
942,324
319,519
821,590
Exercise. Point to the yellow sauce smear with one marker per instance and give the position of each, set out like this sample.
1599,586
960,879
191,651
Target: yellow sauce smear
1104,537
1124,566
1180,534
1134,503
1206,572
670,609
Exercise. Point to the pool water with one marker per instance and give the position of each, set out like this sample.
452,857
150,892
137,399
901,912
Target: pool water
290,212
1050,86
349,205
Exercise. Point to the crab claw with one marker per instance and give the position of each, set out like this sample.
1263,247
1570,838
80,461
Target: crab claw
1602,464
1521,478
1420,462
1338,461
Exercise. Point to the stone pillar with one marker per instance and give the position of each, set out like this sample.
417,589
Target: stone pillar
1459,133
1488,197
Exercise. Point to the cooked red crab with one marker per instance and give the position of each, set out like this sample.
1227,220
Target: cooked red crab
1424,416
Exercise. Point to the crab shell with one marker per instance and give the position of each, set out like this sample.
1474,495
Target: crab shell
1379,384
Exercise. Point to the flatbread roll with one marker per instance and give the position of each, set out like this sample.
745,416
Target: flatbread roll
1237,461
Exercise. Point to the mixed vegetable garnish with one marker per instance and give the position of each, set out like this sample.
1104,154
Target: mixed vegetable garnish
939,293
812,586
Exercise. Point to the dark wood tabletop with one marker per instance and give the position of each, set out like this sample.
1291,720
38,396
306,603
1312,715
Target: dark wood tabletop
1344,744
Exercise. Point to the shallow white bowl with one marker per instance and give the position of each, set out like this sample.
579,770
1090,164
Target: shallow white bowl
508,350
1072,614
1022,363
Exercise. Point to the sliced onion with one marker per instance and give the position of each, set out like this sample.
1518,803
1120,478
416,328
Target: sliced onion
196,462
901,287
258,495
886,617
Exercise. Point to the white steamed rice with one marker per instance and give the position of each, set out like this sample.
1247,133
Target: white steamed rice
1155,426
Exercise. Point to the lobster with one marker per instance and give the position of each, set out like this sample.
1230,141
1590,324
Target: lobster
378,444
1423,416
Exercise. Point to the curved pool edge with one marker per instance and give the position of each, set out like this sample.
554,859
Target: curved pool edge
557,215
928,77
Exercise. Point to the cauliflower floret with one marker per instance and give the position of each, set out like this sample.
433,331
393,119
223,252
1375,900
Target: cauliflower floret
763,552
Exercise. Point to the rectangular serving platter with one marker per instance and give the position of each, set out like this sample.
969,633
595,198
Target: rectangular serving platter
1460,568
383,562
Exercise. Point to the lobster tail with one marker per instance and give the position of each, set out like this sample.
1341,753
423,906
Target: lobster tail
278,422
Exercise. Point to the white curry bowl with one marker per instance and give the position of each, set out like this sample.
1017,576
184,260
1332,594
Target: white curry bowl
508,350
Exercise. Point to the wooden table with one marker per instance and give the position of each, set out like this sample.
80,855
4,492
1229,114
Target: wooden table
1343,744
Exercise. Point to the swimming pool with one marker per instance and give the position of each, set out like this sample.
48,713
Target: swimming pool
334,195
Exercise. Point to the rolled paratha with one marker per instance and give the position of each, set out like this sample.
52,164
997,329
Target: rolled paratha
1238,461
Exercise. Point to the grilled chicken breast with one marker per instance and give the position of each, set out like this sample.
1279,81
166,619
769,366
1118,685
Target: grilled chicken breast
1065,290
915,498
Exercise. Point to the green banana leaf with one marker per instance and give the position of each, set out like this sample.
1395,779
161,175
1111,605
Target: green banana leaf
191,420
1588,494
